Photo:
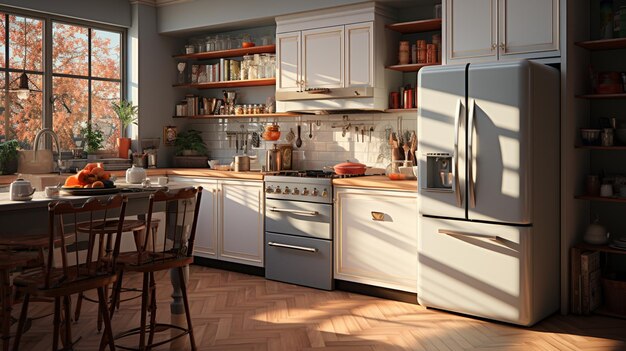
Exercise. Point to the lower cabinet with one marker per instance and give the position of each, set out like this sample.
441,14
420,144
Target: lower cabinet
230,224
376,237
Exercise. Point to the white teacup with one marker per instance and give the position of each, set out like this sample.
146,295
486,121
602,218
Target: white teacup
52,192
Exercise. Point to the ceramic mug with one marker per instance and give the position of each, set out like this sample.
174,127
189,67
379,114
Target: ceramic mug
606,190
52,192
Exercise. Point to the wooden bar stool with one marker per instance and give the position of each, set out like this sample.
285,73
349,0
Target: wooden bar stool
73,272
173,251
109,226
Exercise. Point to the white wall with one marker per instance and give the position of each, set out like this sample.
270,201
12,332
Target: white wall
115,12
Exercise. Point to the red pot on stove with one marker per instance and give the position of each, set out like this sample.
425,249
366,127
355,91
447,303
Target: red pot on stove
349,168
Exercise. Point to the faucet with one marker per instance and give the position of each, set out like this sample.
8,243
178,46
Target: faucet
56,141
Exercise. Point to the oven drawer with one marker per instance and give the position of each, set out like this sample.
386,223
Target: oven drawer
298,218
298,260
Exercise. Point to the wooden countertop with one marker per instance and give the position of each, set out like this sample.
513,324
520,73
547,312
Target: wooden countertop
377,182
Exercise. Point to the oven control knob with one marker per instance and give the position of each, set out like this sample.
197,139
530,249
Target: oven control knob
269,190
305,192
315,192
324,193
296,191
277,190
287,190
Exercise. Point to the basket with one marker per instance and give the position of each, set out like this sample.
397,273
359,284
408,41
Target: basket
614,294
191,161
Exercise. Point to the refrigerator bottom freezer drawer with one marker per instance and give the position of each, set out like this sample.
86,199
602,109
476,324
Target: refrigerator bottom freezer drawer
299,260
483,270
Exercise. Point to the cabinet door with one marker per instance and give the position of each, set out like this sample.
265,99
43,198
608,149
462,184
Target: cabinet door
471,30
241,229
376,238
322,57
206,232
288,58
528,28
360,55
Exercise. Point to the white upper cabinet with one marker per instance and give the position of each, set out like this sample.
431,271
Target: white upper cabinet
359,54
471,30
490,30
529,28
288,59
322,57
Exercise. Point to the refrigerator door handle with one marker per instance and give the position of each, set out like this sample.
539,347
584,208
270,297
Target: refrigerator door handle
472,235
457,184
470,154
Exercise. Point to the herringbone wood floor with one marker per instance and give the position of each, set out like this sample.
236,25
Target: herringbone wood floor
233,311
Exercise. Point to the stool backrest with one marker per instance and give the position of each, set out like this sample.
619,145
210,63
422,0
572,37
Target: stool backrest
64,218
180,221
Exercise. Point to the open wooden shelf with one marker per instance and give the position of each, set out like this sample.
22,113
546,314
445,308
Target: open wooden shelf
427,25
601,248
229,84
602,96
392,110
598,147
411,67
256,115
603,44
601,198
265,49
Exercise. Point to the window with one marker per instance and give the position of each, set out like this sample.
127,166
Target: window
81,80
21,48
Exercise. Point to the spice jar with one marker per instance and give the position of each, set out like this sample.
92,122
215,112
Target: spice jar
421,51
239,110
403,53
189,49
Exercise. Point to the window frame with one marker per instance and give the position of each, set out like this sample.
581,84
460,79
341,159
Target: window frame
47,65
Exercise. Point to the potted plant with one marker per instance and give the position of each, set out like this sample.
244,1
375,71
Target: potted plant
190,150
190,143
127,114
93,138
8,157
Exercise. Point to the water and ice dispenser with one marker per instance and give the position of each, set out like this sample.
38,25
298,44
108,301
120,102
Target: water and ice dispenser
439,174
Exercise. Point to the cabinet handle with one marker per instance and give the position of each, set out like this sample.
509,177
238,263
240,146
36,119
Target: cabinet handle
472,235
503,46
378,216
493,46
293,247
300,212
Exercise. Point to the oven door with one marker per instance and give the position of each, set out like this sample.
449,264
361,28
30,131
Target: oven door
298,218
299,260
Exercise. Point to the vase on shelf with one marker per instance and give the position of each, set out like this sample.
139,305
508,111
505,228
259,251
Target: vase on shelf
123,146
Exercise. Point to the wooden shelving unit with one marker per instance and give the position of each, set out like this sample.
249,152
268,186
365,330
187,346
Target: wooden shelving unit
411,67
601,198
392,110
265,49
427,25
229,84
603,44
602,96
259,115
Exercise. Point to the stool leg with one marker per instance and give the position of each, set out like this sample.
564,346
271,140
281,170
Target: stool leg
68,322
117,287
79,305
108,333
5,286
57,322
144,311
22,323
153,308
183,288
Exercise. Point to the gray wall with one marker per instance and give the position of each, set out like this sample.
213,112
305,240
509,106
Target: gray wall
115,12
151,72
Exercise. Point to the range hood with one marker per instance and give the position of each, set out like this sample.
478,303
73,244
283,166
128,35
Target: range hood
333,60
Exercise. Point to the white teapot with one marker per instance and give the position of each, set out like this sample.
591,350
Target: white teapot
21,190
135,175
596,234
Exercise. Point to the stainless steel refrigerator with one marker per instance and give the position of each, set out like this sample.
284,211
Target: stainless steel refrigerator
488,144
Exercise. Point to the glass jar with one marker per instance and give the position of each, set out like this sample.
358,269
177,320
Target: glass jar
270,66
262,63
210,44
253,68
190,49
239,110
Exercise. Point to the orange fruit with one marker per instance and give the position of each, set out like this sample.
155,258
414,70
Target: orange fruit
87,186
97,184
71,181
97,171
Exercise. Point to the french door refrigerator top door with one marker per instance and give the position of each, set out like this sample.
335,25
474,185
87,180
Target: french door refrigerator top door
499,142
441,137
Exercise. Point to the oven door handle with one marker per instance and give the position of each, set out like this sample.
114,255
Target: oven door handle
293,247
299,212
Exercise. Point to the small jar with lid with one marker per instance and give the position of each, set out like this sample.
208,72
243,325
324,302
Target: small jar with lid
190,49
239,110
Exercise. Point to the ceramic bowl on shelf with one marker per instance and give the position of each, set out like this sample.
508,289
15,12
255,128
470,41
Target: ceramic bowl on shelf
590,136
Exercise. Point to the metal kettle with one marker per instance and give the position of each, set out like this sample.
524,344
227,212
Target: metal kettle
273,159
21,190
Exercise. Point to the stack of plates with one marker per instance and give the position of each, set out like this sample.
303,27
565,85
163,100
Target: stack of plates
619,243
